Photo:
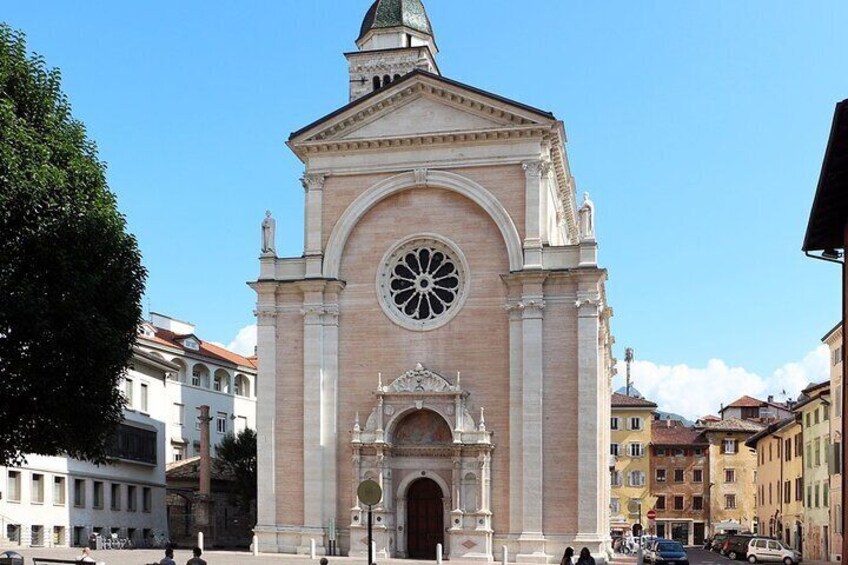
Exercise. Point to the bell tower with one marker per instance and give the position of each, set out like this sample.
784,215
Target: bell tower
395,39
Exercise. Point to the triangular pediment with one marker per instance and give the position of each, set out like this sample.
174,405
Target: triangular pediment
420,103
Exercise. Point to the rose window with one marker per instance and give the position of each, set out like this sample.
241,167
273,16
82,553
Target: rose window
422,283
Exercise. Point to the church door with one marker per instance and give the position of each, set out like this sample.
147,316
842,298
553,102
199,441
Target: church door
425,519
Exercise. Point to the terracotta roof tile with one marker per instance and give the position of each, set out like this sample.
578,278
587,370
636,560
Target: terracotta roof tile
745,402
624,401
734,425
662,434
190,469
171,339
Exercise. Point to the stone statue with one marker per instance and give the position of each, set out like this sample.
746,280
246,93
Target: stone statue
269,228
587,218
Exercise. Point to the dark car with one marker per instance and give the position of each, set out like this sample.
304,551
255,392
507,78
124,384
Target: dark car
715,542
736,546
669,552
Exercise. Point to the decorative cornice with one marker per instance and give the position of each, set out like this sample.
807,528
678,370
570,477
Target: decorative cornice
313,181
526,305
265,315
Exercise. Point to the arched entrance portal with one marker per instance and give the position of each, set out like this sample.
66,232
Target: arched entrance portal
424,519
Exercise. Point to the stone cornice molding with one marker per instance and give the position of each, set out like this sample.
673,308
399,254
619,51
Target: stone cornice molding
405,181
313,181
420,379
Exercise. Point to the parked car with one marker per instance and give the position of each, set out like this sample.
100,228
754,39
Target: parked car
736,546
668,552
649,552
770,550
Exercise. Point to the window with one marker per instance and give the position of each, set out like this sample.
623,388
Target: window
636,478
134,444
59,491
13,490
698,476
79,493
128,392
799,489
678,452
809,496
787,449
615,478
58,535
787,492
678,502
816,416
216,383
116,497
37,495
730,475
636,450
729,446
678,475
146,499
242,386
131,498
614,506
809,455
195,377
817,449
659,451
221,423
37,533
825,494
97,494
144,396
178,412
730,501
375,83
698,452
179,453
635,423
818,495
697,503
660,475
191,344
770,452
807,419
660,505
770,493
799,445
837,356
614,423
614,449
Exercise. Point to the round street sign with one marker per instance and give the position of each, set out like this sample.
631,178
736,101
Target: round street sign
369,492
652,515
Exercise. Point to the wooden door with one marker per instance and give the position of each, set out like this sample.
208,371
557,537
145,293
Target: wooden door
425,519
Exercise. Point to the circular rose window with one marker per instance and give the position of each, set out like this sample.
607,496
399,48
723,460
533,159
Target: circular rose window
422,282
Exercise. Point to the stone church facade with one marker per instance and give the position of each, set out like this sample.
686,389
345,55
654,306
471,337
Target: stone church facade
445,332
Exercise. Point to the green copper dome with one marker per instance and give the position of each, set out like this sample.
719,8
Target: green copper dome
396,13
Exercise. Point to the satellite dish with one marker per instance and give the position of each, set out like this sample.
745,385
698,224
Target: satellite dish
369,492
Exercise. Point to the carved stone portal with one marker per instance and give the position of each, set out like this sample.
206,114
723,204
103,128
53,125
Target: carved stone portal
420,427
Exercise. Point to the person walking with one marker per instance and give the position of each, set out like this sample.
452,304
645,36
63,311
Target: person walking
196,560
169,557
585,557
568,556
85,556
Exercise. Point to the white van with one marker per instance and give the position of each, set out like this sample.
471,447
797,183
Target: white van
769,550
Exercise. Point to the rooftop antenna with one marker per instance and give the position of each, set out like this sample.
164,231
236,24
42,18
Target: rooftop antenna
628,358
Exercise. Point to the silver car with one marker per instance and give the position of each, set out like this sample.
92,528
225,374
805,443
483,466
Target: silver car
768,550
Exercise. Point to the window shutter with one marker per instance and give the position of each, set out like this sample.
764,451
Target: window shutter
735,446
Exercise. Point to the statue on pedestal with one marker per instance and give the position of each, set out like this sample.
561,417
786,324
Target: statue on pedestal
269,228
587,219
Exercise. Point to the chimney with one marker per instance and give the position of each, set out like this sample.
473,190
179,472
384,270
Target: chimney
771,398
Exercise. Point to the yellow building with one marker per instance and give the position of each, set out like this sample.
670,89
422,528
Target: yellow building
733,475
814,412
780,482
630,439
833,340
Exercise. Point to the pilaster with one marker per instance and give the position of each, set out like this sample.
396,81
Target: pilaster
534,173
266,406
313,184
516,415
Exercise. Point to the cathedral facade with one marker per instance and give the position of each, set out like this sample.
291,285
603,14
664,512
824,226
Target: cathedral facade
446,331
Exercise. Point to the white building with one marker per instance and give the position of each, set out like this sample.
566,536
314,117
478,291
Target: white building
59,501
204,373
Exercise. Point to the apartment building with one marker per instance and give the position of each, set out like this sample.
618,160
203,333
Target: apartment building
833,340
814,412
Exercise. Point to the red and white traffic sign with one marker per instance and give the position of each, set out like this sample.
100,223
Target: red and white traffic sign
652,515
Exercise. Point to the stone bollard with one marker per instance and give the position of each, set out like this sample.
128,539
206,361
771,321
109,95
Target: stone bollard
200,540
438,554
312,548
255,546
505,557
374,551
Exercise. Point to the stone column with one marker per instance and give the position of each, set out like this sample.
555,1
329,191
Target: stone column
266,413
313,457
516,416
313,184
531,541
533,173
202,511
589,396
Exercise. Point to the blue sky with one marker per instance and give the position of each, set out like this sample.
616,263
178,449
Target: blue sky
697,127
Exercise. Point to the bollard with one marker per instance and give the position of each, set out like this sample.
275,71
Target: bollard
255,546
200,540
374,550
505,558
438,554
312,548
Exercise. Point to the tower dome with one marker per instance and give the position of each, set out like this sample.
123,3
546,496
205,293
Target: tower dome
396,13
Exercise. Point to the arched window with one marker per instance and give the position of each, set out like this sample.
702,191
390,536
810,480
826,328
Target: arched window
180,374
221,382
386,80
200,376
242,386
395,78
376,83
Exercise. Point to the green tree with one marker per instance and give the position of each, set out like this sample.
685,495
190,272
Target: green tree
237,456
71,277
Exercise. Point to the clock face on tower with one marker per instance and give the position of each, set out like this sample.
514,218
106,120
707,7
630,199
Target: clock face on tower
422,282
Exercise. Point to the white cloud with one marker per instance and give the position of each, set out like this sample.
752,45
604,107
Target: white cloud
245,341
696,391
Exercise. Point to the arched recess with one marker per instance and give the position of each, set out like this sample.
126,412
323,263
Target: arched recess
420,427
403,485
416,179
